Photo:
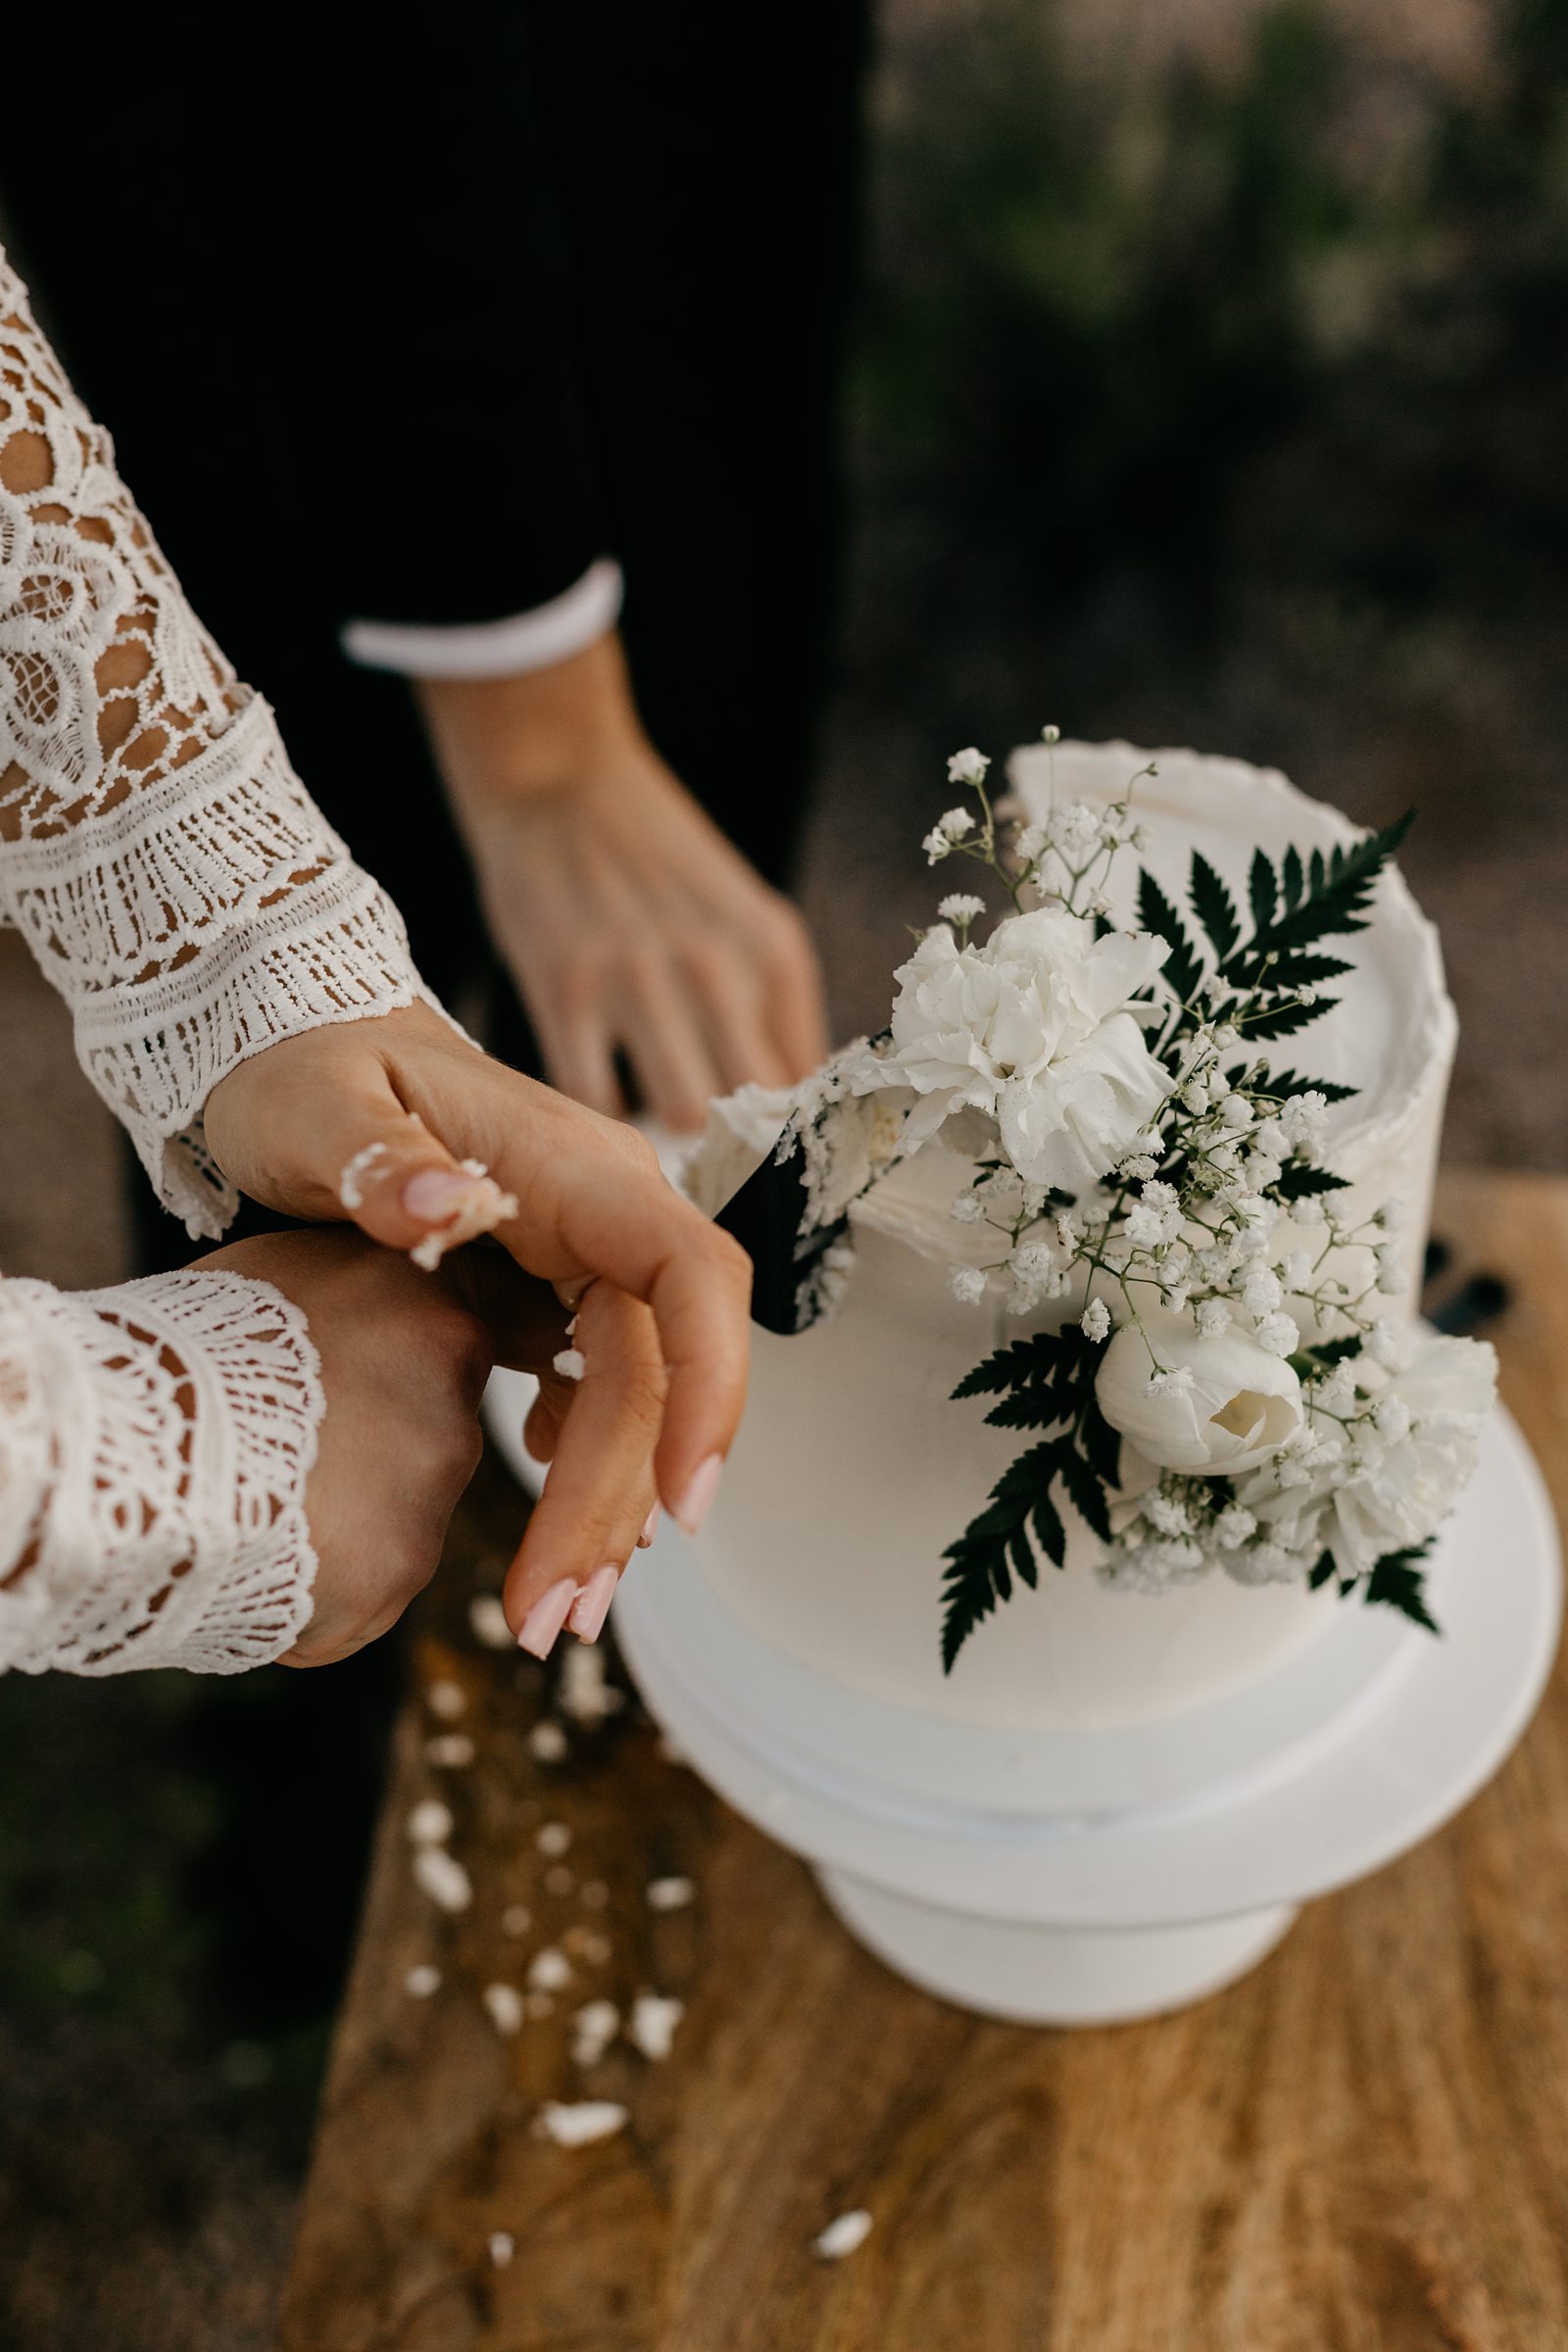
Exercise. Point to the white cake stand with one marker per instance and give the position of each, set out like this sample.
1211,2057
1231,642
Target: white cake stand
1086,1878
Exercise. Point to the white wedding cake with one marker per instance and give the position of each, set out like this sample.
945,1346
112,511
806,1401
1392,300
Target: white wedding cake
855,1470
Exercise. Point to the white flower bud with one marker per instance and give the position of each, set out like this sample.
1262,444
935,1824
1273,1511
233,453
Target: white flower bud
968,1284
1279,1333
968,766
1261,1292
967,1209
1233,1526
1094,1321
1050,734
1383,1345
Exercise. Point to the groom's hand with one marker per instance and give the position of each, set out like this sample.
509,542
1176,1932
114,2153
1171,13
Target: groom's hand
628,922
372,1119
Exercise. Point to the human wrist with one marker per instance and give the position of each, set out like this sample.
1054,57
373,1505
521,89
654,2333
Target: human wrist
508,741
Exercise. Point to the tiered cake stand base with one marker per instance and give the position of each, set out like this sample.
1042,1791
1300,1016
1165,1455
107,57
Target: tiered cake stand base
1082,1878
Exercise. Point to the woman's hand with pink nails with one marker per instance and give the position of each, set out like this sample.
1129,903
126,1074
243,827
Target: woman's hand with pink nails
403,1126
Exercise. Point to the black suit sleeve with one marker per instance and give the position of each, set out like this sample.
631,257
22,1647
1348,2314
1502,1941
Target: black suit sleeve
319,293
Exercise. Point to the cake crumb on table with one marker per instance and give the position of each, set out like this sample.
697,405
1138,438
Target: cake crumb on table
503,2246
549,1971
548,1741
585,1692
503,2003
516,1920
653,2019
442,1878
453,1748
422,1980
578,2123
843,2235
445,1701
431,1823
552,1839
670,1894
595,2025
489,1622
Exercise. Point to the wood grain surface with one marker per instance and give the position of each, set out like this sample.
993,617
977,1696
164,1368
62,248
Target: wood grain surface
1364,2147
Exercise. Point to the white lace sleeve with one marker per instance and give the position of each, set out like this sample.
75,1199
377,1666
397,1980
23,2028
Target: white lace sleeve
155,1442
171,873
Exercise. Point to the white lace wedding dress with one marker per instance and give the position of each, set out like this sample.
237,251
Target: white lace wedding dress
177,884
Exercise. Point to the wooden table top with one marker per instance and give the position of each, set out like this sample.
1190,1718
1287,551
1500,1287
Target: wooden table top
1362,2148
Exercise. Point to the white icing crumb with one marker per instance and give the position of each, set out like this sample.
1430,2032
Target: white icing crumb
559,1879
539,2004
584,1694
516,1920
351,1184
443,1879
474,1167
670,1894
578,2124
570,1363
549,1970
428,1254
431,1823
653,2019
548,1741
504,2004
553,1839
452,1747
843,2236
503,2246
446,1701
597,2025
423,1980
594,1894
489,1622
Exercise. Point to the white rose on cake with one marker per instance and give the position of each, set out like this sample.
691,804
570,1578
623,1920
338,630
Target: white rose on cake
1033,1028
1215,1405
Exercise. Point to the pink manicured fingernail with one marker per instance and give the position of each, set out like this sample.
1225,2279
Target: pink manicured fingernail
437,1193
544,1621
698,1500
592,1605
650,1528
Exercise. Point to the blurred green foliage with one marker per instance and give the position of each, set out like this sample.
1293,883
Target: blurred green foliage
1140,349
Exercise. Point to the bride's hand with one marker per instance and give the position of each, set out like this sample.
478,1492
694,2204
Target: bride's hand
405,1356
628,922
371,1119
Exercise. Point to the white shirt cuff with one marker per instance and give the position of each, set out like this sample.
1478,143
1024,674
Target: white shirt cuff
495,649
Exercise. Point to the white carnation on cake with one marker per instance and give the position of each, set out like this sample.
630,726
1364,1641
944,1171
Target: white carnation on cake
1033,1028
1215,1404
1398,1472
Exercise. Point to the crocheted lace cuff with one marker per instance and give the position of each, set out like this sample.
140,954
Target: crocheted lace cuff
155,1443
